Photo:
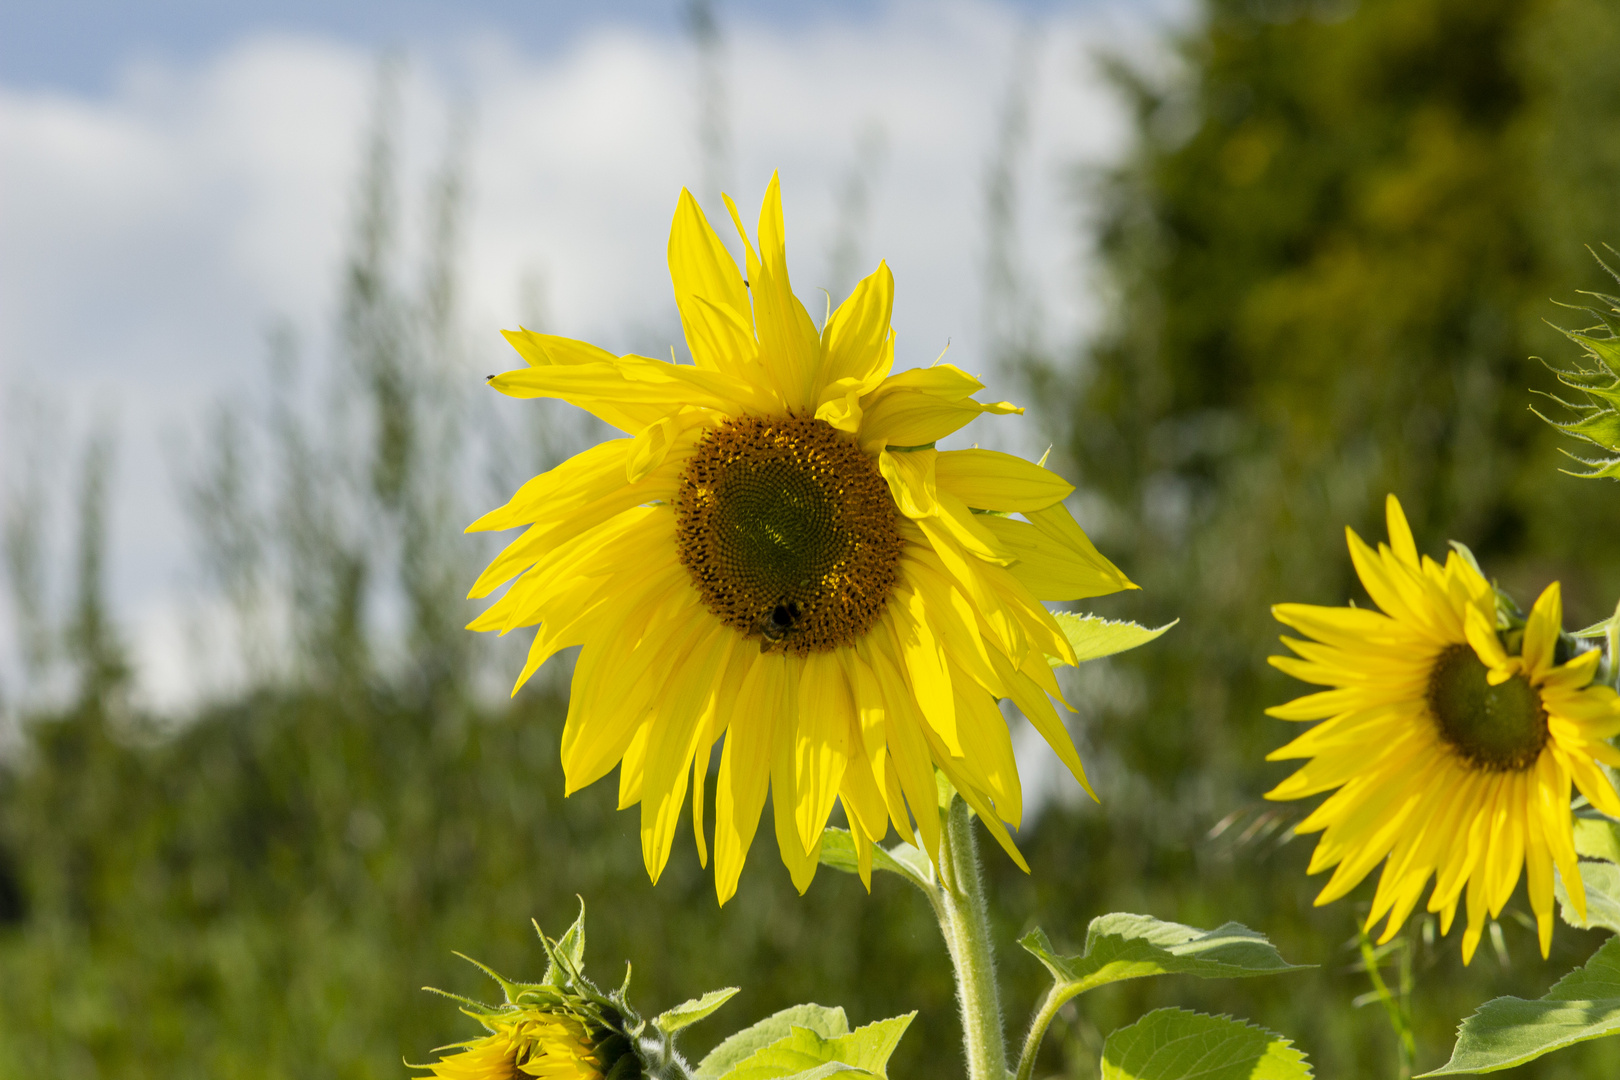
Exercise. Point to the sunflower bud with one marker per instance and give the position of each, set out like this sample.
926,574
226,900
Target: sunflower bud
564,1028
1597,377
557,1040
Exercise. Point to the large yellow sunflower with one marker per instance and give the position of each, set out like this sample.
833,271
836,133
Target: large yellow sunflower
777,554
1453,757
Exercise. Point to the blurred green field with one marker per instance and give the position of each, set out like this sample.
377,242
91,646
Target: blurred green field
1328,260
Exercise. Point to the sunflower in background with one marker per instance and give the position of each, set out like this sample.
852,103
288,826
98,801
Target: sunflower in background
778,555
1452,757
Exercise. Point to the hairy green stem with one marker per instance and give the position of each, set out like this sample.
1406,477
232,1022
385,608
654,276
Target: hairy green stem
1037,1031
964,921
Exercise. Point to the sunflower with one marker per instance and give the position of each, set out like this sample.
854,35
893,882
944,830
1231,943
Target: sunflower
523,1042
1453,757
778,555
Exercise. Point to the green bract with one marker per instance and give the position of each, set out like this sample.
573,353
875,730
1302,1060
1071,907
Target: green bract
1597,377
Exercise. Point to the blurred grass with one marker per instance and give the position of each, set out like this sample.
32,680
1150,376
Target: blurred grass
1327,261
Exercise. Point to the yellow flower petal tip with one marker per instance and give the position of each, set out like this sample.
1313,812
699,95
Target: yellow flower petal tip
776,560
1448,758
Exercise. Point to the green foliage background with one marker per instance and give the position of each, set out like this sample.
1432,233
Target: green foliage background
1327,262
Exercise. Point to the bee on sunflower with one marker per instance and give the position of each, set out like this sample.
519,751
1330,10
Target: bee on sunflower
777,555
1453,733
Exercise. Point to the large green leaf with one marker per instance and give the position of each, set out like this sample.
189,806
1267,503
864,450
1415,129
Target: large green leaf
828,1023
1174,1044
804,1053
1093,637
685,1015
1597,836
1134,946
1602,881
838,852
1508,1031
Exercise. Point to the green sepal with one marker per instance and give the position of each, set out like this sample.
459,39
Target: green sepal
1600,427
565,957
1093,637
828,1023
805,1053
1509,1031
1173,1044
688,1013
1120,947
838,852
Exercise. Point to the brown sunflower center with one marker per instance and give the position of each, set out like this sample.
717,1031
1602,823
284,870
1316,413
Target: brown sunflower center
1498,728
788,531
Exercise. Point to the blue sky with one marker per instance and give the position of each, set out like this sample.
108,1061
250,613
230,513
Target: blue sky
80,45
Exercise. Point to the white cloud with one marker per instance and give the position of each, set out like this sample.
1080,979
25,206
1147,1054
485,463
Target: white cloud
147,236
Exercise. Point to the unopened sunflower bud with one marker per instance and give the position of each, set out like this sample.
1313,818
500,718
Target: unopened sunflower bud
531,1040
564,1028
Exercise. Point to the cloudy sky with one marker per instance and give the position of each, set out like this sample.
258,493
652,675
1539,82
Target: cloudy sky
175,175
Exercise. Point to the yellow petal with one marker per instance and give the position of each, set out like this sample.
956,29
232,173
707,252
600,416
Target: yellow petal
821,748
759,721
1037,709
1488,647
1059,529
1400,533
857,343
908,744
580,480
709,292
922,659
636,380
1541,633
988,752
991,480
788,342
1049,568
912,418
545,350
672,743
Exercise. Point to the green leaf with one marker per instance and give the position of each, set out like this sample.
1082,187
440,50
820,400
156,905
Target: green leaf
1092,637
804,1053
828,1023
1134,946
838,852
1597,836
830,1068
1174,1044
685,1015
1602,881
1509,1031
